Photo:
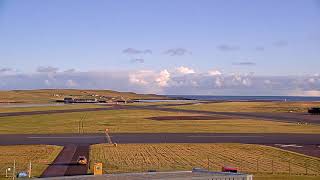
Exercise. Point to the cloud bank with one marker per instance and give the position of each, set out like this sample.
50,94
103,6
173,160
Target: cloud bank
179,80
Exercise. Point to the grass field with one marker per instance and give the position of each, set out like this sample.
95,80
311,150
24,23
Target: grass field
256,159
136,121
252,106
46,108
39,155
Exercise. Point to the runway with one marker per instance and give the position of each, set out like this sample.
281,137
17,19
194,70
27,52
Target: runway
310,142
124,138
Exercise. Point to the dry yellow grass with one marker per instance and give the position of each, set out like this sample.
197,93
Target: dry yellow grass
39,155
168,157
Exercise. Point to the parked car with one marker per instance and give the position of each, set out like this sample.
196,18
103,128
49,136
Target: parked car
82,160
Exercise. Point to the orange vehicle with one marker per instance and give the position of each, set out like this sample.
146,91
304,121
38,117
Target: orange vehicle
82,160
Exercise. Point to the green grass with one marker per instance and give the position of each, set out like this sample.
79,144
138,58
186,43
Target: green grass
252,106
46,108
136,121
39,155
256,159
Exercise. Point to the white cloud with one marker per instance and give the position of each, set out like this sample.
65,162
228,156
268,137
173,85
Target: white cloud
312,80
312,93
163,78
305,93
214,73
140,77
185,70
150,78
219,82
238,79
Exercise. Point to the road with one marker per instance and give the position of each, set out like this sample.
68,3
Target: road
65,163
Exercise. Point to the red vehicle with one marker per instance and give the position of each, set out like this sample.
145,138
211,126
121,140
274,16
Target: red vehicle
229,169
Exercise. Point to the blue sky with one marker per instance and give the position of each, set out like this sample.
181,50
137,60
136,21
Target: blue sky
266,38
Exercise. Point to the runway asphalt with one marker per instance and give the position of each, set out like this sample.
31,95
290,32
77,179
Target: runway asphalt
124,138
310,142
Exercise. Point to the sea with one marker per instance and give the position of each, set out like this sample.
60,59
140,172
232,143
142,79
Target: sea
246,98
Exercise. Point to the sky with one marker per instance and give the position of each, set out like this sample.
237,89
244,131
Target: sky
203,47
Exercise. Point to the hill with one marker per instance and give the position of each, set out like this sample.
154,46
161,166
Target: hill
51,95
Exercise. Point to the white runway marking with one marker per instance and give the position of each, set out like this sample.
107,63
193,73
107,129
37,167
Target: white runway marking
288,145
64,137
225,136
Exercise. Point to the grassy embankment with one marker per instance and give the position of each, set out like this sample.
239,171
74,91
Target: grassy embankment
137,121
39,155
263,161
49,108
252,106
50,95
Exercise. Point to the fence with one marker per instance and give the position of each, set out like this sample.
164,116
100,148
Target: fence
11,170
308,166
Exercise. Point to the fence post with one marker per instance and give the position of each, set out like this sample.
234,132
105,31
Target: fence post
290,167
14,170
306,165
272,166
30,169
